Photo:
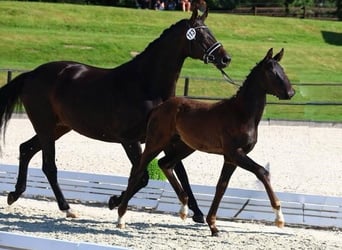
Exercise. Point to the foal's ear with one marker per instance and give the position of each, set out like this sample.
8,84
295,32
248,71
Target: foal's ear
268,55
279,56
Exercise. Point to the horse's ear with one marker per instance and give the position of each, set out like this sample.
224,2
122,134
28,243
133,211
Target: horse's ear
194,15
279,56
205,14
269,54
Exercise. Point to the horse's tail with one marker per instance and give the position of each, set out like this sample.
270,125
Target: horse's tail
9,98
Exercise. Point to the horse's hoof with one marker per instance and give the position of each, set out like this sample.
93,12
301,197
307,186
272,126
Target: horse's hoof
183,216
214,234
198,218
183,212
11,198
70,214
280,224
113,202
121,226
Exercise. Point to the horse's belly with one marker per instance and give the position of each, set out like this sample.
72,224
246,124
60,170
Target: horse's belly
208,144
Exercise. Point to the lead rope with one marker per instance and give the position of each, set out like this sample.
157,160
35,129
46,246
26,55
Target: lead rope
228,79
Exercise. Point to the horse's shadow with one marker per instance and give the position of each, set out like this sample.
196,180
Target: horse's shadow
48,224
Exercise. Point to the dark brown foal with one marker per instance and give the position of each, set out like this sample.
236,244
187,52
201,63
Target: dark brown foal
228,127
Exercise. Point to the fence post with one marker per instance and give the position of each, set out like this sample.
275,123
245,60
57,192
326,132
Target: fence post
186,86
9,76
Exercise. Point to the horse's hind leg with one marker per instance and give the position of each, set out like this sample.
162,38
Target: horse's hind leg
26,151
47,141
263,175
174,153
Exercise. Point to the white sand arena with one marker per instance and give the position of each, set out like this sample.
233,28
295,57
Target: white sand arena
303,158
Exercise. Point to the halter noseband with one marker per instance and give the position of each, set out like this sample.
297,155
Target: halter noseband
208,56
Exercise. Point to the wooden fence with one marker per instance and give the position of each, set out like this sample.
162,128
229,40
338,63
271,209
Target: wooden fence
297,12
187,82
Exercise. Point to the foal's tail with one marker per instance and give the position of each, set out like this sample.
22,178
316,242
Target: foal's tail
9,98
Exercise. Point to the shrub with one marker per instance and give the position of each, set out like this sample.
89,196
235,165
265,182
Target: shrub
154,171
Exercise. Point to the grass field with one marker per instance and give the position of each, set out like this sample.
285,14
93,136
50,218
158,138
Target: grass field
34,33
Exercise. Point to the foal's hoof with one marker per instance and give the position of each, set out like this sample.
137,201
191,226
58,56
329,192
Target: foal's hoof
113,202
183,212
280,224
215,234
183,216
11,198
121,226
199,218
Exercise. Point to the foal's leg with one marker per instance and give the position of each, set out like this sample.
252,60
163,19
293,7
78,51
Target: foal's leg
174,153
263,175
134,183
183,178
133,151
226,172
179,152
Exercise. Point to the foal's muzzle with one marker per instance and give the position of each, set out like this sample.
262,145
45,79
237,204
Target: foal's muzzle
209,56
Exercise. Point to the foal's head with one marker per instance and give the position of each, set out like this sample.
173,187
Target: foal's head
203,44
275,81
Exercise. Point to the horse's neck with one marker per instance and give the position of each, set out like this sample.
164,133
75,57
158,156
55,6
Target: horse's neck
161,63
251,99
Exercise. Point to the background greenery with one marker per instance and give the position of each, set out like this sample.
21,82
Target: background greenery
34,33
154,171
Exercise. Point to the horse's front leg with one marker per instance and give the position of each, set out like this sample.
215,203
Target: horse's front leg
26,151
226,172
263,175
133,151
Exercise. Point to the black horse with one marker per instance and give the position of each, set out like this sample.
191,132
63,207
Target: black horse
106,104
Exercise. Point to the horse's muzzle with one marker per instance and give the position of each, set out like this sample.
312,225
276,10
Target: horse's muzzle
217,55
287,95
291,93
225,60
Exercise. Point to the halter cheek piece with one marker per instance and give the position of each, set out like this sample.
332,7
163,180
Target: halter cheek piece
208,56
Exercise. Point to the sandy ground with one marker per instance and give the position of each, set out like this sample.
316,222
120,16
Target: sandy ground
305,158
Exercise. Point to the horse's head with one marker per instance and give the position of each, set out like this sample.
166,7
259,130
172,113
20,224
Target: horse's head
275,80
203,44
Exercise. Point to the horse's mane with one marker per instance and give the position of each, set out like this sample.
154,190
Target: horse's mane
163,34
249,76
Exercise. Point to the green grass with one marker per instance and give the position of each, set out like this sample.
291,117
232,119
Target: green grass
34,33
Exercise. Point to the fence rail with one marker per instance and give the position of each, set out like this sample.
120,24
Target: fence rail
308,103
236,204
186,89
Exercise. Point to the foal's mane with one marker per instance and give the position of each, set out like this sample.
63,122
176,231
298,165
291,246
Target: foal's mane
248,79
